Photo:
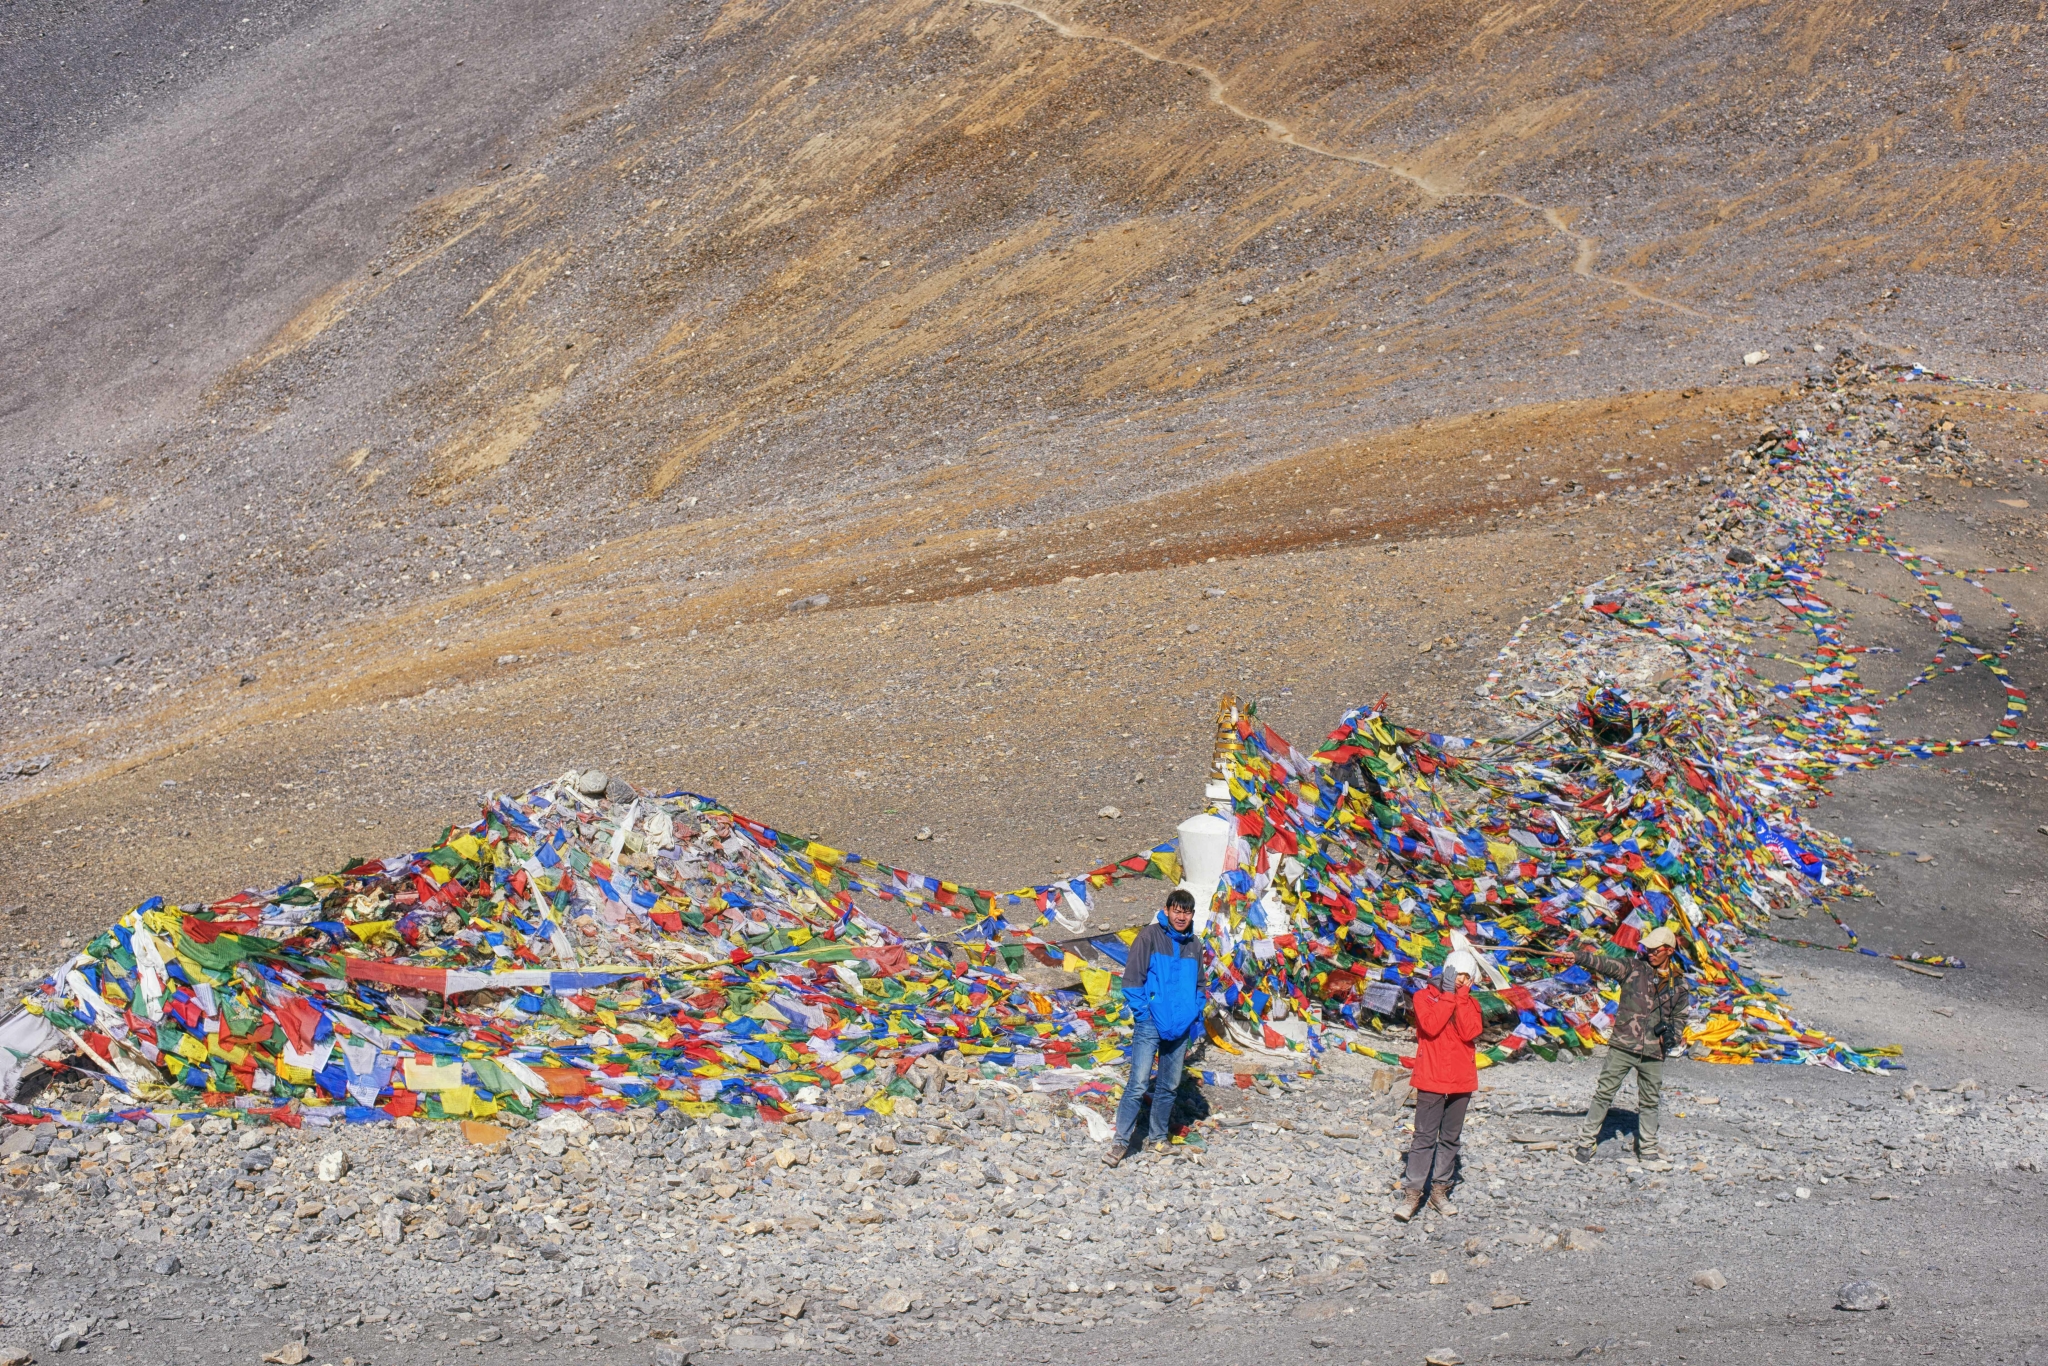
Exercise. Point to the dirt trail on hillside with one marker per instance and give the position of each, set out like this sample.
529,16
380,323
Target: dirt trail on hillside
1586,252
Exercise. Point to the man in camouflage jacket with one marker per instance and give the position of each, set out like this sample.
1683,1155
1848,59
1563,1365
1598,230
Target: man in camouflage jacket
1649,1024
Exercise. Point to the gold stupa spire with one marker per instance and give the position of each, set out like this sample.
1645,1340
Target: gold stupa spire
1228,745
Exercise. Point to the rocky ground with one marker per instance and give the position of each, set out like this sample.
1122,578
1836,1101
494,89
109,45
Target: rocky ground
987,1226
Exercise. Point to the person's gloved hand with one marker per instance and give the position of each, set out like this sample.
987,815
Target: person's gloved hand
1676,1050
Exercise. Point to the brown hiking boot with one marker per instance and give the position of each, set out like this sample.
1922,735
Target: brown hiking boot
1441,1203
1408,1204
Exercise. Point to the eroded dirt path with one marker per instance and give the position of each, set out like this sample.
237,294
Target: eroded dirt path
1586,253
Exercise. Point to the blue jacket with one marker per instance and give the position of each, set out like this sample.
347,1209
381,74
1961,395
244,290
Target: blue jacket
1163,979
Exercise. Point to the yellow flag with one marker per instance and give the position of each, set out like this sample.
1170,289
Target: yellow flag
1095,983
432,1076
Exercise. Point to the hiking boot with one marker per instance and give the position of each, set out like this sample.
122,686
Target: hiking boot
1583,1151
1441,1203
1114,1154
1653,1161
1408,1205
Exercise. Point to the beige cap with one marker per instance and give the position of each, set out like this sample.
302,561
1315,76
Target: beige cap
1660,938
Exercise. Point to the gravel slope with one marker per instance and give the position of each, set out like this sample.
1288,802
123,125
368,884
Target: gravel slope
966,1233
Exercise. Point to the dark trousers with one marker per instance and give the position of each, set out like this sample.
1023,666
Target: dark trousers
1439,1122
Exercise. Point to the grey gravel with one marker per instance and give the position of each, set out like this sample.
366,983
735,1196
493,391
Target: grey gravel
718,1237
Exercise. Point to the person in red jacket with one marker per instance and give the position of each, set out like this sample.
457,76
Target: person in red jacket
1446,1025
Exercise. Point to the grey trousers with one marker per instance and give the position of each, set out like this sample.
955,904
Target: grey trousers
1439,1123
1649,1089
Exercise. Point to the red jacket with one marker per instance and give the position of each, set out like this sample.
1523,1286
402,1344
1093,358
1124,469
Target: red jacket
1445,1026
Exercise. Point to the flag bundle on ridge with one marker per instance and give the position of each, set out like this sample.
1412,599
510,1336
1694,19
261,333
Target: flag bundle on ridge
571,950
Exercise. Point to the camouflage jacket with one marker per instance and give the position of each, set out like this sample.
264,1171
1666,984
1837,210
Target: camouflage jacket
1650,1019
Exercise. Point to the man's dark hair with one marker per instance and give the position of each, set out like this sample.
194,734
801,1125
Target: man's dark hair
1181,897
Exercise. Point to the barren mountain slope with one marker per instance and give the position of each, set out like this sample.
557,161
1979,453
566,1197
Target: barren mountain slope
767,262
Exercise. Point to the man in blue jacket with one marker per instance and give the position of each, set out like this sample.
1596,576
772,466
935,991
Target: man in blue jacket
1163,987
